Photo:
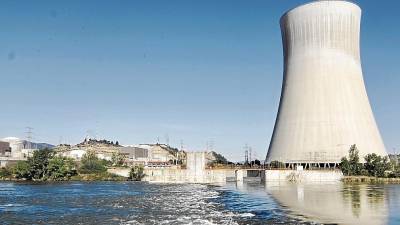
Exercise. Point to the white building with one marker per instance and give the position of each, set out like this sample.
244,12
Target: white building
16,146
74,153
324,107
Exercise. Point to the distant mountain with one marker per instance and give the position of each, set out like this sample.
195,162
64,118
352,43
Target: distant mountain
34,145
24,144
42,145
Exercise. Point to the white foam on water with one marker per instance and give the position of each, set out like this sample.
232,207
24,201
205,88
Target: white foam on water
246,215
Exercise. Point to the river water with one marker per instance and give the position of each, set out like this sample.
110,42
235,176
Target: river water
233,203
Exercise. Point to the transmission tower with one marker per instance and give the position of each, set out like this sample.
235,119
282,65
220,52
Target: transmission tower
250,155
211,145
167,139
29,135
246,154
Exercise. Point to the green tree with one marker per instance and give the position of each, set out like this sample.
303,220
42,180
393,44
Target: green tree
90,163
345,166
61,168
354,160
396,170
136,173
376,165
38,163
5,172
351,166
22,170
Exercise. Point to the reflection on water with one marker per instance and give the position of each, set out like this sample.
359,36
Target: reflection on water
136,203
338,202
234,203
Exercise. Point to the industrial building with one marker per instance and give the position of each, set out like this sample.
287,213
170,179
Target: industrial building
135,155
324,107
5,149
149,155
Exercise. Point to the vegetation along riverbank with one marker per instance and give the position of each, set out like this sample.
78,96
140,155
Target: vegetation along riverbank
44,165
374,169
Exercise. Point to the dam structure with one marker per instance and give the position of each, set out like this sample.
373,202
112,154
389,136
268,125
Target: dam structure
324,107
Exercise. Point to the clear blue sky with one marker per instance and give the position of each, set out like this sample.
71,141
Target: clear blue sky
196,71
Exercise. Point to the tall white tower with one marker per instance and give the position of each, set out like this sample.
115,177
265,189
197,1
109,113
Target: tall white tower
324,107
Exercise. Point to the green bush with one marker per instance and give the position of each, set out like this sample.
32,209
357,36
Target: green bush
38,163
61,168
5,172
44,165
117,159
396,170
376,165
91,164
136,173
276,164
22,170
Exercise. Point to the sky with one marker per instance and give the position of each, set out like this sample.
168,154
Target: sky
197,73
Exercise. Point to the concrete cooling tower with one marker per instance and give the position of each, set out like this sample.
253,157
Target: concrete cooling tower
324,107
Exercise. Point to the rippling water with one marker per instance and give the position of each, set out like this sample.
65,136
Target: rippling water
144,203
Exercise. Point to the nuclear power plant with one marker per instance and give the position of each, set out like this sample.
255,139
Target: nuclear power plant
324,107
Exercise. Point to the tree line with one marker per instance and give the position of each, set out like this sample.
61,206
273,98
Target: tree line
374,165
46,165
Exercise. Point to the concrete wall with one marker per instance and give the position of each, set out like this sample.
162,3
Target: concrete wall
124,172
172,175
302,176
175,175
196,161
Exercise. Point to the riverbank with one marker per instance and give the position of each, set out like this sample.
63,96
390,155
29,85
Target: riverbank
98,177
371,180
79,177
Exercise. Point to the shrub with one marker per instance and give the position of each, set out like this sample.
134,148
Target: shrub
136,173
117,159
345,166
376,165
61,168
396,170
90,163
21,170
37,164
5,172
276,164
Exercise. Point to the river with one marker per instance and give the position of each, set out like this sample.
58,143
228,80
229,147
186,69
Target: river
233,203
